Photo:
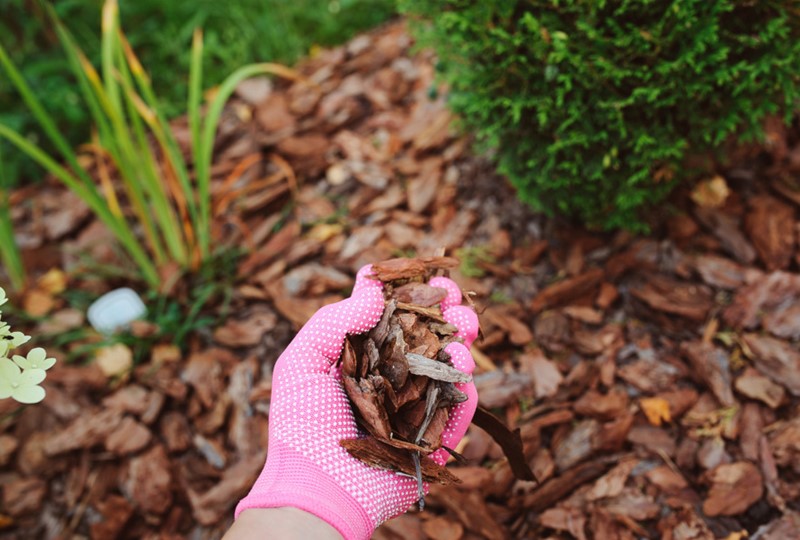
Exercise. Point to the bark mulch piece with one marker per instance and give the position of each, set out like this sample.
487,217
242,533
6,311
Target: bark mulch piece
653,379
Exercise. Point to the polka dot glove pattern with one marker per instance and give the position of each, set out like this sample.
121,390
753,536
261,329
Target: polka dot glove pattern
309,414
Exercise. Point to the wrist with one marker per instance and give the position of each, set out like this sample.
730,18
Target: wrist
286,522
291,479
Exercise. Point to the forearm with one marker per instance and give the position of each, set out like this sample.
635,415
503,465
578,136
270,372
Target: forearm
286,522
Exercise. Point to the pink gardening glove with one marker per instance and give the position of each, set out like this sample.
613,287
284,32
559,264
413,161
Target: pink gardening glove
309,414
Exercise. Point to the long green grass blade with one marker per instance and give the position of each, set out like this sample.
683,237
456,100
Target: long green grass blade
209,130
93,199
111,128
108,42
160,127
148,173
195,89
193,111
39,112
9,251
163,132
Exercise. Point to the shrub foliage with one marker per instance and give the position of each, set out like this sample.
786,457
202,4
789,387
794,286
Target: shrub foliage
593,106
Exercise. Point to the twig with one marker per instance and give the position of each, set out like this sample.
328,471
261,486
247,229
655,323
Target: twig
420,487
431,404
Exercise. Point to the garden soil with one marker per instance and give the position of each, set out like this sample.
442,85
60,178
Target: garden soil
654,378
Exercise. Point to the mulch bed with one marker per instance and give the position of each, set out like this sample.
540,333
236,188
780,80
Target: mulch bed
655,378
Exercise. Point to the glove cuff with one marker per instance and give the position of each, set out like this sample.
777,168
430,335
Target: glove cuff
291,479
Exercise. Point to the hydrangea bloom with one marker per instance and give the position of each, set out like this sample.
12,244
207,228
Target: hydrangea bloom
23,386
35,359
20,378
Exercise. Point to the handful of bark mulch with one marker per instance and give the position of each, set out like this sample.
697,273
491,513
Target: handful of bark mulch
401,382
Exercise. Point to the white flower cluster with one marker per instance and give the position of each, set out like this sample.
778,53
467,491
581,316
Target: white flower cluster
20,376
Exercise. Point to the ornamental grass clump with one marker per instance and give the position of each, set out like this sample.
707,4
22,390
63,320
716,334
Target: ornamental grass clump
155,202
592,108
20,376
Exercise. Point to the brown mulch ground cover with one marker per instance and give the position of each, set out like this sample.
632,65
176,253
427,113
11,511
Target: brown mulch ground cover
655,378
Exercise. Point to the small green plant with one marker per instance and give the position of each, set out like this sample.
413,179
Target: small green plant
20,376
471,258
593,106
169,198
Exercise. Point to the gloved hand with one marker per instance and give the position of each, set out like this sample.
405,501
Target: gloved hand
309,414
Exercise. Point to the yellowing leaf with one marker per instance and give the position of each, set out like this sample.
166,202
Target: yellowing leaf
711,193
53,282
114,360
325,231
740,535
656,410
5,521
38,303
164,352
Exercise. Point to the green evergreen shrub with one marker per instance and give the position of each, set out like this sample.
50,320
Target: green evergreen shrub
592,106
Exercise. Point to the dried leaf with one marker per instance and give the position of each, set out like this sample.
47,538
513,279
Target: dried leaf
114,360
38,303
711,192
656,410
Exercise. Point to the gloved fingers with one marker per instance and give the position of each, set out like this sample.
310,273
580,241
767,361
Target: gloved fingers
465,319
454,295
462,317
461,414
364,279
321,339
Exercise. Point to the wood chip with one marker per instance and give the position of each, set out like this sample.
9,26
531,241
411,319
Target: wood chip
712,366
129,437
756,386
734,488
433,369
567,290
148,482
381,456
770,225
776,359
